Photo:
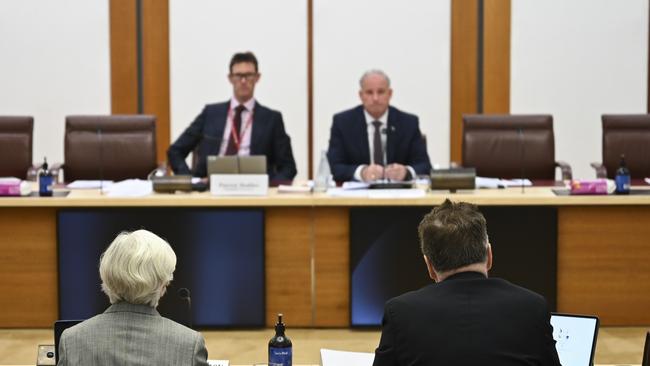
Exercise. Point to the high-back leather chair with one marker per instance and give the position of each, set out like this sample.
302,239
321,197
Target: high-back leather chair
109,147
625,134
511,146
16,141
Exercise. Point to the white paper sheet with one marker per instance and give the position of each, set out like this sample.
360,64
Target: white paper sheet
130,188
89,184
331,357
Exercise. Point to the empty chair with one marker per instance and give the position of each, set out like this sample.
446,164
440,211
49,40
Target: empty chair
16,141
629,135
109,147
511,146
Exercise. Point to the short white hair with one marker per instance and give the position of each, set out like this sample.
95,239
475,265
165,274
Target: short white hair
136,268
373,72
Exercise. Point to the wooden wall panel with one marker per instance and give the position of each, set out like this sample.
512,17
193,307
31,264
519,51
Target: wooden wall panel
28,269
155,68
603,256
464,38
288,253
496,56
124,57
466,60
332,266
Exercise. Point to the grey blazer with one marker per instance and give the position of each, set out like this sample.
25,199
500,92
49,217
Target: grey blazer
127,334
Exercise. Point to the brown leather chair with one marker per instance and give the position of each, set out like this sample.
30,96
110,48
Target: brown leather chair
511,146
109,147
629,135
16,141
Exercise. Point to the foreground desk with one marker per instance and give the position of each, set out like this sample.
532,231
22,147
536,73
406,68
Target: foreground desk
603,251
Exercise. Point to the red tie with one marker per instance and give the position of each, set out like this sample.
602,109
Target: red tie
232,148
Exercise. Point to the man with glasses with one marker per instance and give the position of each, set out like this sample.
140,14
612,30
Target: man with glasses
241,126
375,141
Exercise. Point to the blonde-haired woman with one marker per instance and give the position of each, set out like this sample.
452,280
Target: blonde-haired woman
135,270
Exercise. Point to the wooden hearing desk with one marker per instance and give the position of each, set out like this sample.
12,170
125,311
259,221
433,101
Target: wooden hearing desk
603,251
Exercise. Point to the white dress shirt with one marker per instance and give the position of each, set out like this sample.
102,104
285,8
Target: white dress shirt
383,119
245,145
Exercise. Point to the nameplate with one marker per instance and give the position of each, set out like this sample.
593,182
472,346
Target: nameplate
239,184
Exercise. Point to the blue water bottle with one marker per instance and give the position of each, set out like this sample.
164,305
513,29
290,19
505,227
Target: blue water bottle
45,180
280,353
623,179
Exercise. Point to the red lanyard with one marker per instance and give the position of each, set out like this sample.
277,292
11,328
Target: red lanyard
234,134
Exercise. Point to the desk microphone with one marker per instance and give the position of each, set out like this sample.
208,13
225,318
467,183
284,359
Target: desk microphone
184,294
522,148
384,131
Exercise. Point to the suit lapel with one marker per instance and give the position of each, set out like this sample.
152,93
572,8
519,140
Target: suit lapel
257,129
361,130
220,123
391,136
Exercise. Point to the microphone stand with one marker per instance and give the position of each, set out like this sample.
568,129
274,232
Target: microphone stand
184,294
522,147
384,131
101,160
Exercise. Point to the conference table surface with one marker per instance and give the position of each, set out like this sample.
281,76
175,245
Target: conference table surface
530,196
603,249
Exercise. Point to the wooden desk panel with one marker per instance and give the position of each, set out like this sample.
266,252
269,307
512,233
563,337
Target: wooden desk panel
603,251
604,263
28,273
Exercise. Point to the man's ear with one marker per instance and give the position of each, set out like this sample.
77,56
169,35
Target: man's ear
432,272
489,257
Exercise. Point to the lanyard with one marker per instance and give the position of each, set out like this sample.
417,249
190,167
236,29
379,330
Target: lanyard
234,134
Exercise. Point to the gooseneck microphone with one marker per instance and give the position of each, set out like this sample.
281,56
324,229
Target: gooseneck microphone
184,294
522,148
384,131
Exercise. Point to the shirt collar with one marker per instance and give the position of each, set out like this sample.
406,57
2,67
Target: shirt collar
249,104
383,119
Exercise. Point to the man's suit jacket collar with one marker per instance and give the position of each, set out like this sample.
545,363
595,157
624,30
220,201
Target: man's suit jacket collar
125,307
468,275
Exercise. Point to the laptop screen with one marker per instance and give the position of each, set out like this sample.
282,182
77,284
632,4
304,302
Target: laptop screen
575,337
59,327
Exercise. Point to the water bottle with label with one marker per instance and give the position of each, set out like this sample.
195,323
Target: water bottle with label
322,180
623,179
280,353
45,180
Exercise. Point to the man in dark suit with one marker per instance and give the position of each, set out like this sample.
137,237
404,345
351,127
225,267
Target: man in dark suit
374,140
241,126
465,318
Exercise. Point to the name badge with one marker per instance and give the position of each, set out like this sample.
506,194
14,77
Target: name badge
239,184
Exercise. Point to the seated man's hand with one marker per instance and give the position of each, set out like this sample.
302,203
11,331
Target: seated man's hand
396,172
372,172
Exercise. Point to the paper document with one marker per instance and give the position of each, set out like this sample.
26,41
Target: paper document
218,362
285,188
331,357
483,182
376,193
130,188
355,185
89,184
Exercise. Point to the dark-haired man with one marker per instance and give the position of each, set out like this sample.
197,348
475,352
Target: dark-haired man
465,318
375,140
240,126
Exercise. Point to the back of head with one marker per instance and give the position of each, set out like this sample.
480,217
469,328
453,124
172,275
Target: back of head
136,268
453,235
